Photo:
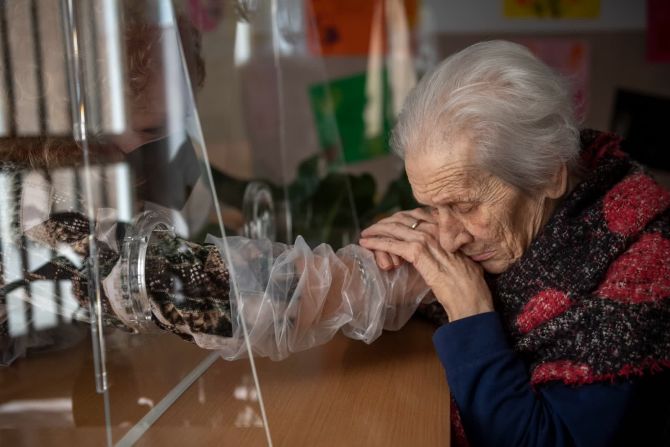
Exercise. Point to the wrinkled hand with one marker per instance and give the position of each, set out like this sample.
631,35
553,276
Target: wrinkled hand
402,219
457,281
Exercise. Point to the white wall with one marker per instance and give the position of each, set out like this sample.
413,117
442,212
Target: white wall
475,16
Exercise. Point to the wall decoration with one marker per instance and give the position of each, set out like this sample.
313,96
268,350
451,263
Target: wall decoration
351,116
553,9
344,27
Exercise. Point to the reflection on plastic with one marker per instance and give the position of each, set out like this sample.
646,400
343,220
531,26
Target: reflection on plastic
145,401
259,212
52,412
27,201
246,392
202,396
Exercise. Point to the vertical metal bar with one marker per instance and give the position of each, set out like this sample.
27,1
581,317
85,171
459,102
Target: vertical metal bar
113,119
21,239
120,191
42,118
88,41
5,120
39,66
7,75
20,37
58,291
15,300
4,129
54,68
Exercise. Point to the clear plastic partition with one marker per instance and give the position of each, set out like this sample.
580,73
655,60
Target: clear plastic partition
304,94
182,184
297,106
108,290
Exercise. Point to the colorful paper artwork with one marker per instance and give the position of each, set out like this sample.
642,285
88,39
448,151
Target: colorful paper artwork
551,9
344,27
570,57
347,117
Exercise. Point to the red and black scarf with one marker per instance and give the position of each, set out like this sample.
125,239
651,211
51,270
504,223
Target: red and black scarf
589,300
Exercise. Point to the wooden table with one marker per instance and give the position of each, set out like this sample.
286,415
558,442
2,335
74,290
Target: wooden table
345,393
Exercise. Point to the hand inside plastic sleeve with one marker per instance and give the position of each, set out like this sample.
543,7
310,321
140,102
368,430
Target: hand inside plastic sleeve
288,297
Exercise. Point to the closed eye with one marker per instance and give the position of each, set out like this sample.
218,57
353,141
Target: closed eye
464,207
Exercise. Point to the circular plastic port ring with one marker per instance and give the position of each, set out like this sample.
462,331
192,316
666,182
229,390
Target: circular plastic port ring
259,212
135,304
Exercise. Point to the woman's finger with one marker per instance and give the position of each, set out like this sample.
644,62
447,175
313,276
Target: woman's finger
397,260
398,231
383,260
398,226
398,219
407,218
429,228
416,253
422,214
387,261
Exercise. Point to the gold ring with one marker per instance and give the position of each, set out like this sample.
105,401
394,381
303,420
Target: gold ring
416,224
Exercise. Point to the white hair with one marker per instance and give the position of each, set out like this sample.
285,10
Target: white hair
515,109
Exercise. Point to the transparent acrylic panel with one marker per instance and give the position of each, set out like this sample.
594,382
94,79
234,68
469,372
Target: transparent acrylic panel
266,132
311,124
111,302
107,201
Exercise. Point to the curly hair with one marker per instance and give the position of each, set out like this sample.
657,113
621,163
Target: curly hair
50,152
142,41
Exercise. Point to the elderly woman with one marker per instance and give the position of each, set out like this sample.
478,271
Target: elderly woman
548,250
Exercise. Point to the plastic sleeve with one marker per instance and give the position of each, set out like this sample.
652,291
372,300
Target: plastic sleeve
290,298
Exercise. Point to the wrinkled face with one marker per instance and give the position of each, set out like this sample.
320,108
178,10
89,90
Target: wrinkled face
478,214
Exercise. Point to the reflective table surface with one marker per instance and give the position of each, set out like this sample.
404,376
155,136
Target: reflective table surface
390,393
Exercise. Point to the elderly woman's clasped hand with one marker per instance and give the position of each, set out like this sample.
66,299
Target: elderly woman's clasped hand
413,236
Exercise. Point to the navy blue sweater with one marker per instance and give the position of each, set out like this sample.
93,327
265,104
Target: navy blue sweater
491,387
